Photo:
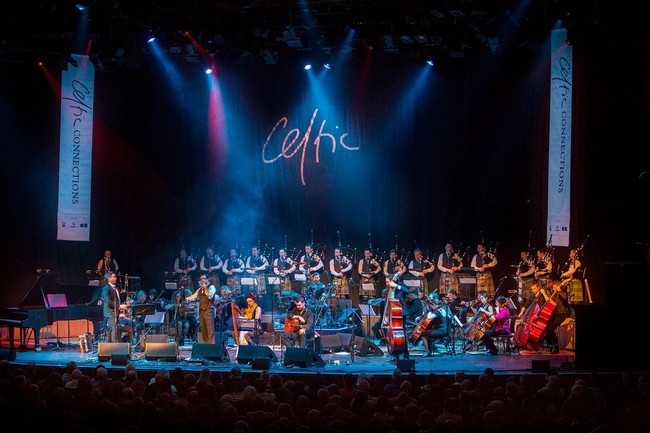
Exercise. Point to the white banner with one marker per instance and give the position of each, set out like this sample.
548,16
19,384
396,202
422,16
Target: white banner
75,153
559,140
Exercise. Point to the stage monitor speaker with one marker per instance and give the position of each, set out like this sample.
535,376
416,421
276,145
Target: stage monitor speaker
366,347
540,365
161,352
247,353
7,354
211,352
406,365
105,350
302,357
261,364
119,359
332,342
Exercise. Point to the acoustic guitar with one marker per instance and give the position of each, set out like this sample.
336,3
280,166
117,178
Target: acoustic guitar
291,325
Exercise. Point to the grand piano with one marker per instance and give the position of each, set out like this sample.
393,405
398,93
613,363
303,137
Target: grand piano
48,301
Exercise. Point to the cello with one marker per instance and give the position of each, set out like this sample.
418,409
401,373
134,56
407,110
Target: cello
394,319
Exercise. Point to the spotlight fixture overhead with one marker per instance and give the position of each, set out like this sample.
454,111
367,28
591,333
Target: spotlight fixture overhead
151,39
327,66
208,71
430,62
307,66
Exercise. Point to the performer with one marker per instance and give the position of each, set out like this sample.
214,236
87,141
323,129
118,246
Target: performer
321,297
233,267
211,264
560,314
448,263
107,264
256,265
419,267
483,262
111,307
298,324
223,312
525,278
177,314
378,325
457,305
543,266
501,326
394,268
192,310
284,267
482,308
437,316
340,266
368,269
310,261
204,295
138,319
184,265
252,311
569,278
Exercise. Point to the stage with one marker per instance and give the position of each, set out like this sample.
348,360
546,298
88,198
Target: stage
336,361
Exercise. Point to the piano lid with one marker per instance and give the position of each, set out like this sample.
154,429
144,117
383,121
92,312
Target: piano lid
46,284
36,296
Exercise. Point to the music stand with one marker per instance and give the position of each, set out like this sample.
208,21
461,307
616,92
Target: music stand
59,301
367,311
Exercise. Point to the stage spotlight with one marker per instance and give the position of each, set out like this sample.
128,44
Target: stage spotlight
430,62
208,71
151,39
307,67
327,66
80,6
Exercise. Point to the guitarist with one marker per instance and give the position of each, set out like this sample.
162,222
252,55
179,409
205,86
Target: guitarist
298,324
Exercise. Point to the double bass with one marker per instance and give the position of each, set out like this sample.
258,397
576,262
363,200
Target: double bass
394,319
530,333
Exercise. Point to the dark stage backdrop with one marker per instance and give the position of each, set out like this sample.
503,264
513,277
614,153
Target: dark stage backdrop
421,157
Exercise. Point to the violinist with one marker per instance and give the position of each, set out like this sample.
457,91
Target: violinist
501,326
298,324
223,312
204,295
570,269
449,263
436,328
560,314
420,268
138,320
483,262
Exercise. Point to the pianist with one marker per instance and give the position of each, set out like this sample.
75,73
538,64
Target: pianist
250,321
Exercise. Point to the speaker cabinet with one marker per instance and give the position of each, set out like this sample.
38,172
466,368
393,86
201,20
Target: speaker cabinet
105,350
406,365
161,352
302,357
211,352
362,346
261,364
247,353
